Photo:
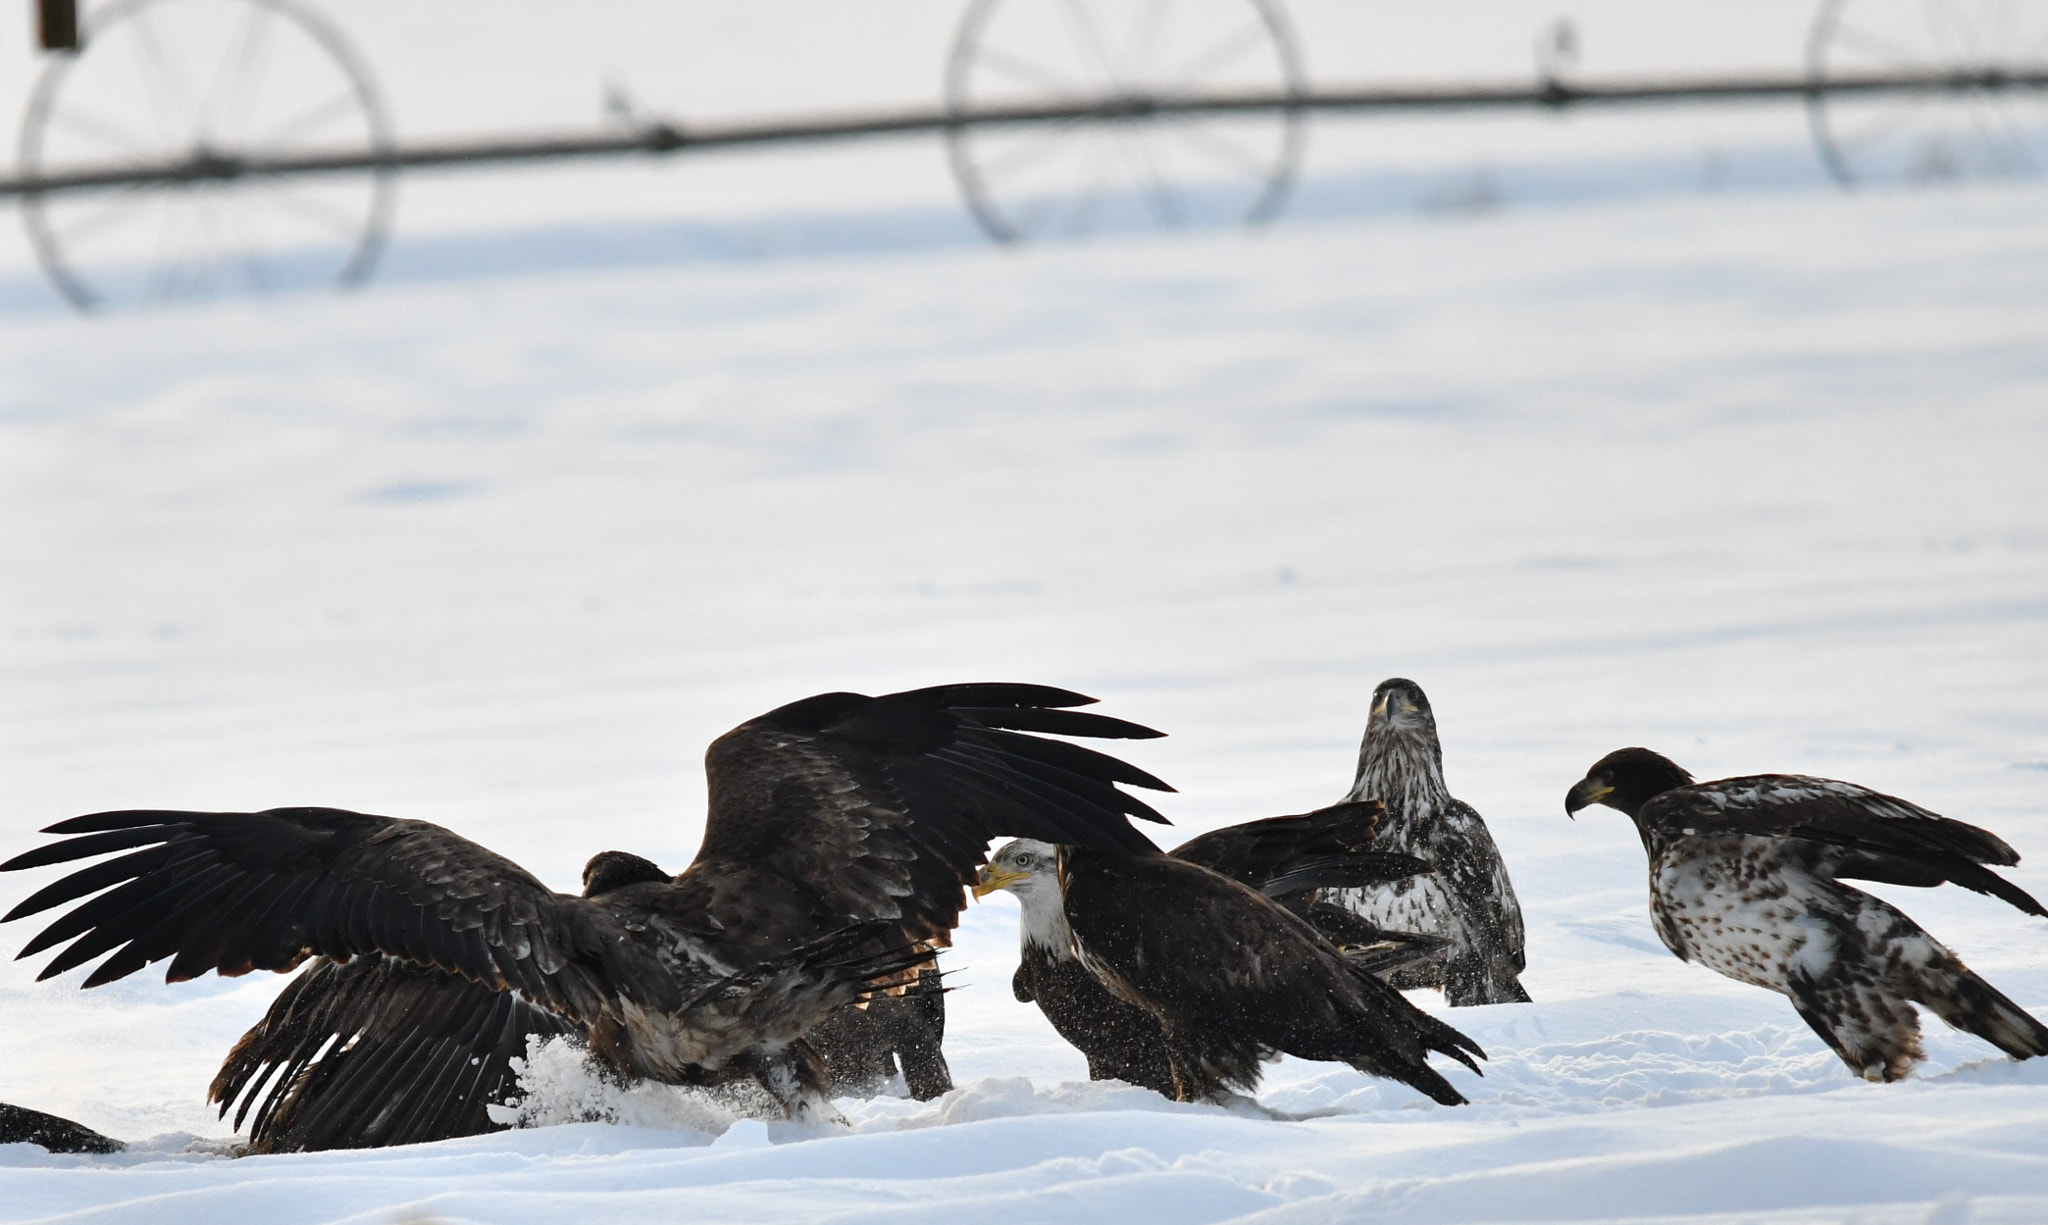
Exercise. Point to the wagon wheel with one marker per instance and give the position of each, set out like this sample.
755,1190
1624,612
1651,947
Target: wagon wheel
1136,170
176,81
1976,133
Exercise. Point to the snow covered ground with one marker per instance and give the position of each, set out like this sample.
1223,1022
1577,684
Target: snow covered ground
1753,479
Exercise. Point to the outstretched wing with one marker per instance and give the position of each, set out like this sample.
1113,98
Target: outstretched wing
374,1052
235,892
851,809
1867,835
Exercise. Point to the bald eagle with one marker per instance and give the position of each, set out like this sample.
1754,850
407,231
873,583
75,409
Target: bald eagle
1287,858
1170,975
1467,898
840,832
1746,878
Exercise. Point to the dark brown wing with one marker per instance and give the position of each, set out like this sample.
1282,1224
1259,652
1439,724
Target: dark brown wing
850,809
20,1125
1867,835
1255,852
1221,965
235,892
375,1052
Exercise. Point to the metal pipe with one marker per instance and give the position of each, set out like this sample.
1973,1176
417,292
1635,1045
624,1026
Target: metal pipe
662,137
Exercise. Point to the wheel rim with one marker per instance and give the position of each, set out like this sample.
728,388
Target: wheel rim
1978,133
1075,177
164,81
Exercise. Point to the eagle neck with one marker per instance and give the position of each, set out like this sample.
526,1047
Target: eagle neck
1404,771
1044,923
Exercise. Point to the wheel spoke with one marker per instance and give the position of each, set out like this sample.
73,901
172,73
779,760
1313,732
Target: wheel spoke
248,251
1086,204
1219,55
1088,40
1887,125
101,130
1035,148
122,205
173,93
233,55
1878,48
1961,44
1144,36
2004,26
169,253
1202,134
307,121
251,68
278,194
1020,69
1138,156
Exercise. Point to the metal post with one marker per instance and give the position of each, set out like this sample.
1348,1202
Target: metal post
57,24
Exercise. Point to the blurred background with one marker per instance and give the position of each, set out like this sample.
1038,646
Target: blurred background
248,73
1608,425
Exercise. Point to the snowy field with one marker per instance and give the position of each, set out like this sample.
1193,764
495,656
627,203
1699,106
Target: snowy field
1754,479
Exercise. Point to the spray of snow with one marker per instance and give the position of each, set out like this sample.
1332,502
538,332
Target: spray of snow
559,1084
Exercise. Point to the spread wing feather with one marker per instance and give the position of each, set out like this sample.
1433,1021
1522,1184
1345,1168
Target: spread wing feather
234,892
1868,835
374,1052
884,806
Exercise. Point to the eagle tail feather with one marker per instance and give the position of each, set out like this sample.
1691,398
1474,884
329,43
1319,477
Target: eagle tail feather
1970,1004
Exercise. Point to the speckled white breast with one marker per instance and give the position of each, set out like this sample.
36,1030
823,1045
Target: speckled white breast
1417,904
1742,907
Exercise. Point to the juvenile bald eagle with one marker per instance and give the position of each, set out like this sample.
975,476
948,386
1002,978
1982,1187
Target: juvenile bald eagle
1466,898
1746,878
840,833
1170,975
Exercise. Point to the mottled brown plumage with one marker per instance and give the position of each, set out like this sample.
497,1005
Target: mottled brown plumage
1746,878
1467,898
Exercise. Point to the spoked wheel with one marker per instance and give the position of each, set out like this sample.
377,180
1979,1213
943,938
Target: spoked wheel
165,82
1141,168
1980,132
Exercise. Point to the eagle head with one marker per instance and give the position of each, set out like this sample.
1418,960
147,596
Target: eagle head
1400,754
609,870
1625,780
1026,867
1030,869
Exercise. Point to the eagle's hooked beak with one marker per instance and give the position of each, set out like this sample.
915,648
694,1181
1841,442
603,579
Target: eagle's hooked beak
992,878
1586,792
1387,707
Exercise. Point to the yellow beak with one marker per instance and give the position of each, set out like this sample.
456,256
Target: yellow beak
993,878
1585,793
